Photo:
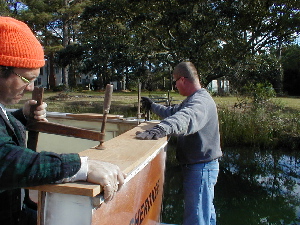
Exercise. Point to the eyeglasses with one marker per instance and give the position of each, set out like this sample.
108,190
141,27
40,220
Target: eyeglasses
24,79
174,81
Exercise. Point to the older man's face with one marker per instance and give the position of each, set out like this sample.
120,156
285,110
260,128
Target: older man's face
180,84
12,88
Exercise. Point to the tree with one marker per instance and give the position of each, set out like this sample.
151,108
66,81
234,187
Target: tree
5,8
55,21
137,39
108,52
216,35
291,67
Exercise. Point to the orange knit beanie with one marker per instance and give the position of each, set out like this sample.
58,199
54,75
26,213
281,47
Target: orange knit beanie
18,45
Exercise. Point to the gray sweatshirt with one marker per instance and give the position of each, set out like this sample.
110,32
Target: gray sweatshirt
195,122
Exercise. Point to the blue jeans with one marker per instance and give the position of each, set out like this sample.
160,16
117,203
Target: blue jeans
198,186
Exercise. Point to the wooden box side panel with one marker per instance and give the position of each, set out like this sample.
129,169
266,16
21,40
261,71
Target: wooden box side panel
139,201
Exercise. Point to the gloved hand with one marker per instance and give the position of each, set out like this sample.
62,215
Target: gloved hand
154,133
146,103
108,175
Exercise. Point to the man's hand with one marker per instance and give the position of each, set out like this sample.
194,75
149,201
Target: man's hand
146,103
39,113
154,133
108,175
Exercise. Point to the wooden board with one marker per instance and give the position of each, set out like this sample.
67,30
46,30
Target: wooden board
86,116
77,188
55,128
125,151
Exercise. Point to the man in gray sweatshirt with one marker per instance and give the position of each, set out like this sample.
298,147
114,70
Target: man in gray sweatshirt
195,123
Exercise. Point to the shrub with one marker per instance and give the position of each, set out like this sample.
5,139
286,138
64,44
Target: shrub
266,126
258,94
59,88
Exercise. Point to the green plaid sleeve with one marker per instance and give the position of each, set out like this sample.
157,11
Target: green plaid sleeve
22,167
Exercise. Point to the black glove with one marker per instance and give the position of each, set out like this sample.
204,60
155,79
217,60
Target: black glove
146,103
154,133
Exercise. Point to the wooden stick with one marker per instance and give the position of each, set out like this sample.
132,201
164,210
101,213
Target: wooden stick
37,95
139,103
64,130
32,141
41,208
106,108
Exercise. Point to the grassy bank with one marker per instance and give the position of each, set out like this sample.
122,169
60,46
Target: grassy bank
264,128
273,124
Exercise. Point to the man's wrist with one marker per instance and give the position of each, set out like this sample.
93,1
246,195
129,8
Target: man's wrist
81,175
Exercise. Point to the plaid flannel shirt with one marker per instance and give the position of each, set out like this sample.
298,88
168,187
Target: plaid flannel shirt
22,167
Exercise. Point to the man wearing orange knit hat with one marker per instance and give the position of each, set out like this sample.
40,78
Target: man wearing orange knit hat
21,57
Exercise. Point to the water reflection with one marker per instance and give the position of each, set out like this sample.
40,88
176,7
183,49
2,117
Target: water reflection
254,187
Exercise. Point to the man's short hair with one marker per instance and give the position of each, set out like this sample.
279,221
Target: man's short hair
188,70
5,71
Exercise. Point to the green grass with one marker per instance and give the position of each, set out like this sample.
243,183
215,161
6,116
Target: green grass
124,103
274,124
290,102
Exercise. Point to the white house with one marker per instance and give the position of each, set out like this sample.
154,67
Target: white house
43,79
218,86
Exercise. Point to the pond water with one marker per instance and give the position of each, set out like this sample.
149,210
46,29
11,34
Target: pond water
254,187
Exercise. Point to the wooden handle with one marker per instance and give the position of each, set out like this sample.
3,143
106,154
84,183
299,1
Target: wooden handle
37,95
107,98
139,101
106,108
